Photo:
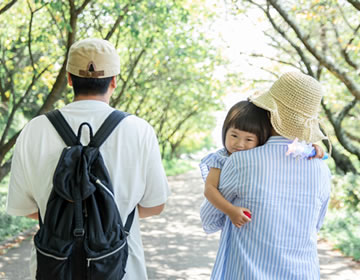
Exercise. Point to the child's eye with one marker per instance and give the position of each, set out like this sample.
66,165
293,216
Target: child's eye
233,135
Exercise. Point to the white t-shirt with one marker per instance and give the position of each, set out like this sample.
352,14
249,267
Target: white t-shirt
131,155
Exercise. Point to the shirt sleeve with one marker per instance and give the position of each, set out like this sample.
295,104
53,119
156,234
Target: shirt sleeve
213,219
156,185
213,160
323,210
19,199
325,197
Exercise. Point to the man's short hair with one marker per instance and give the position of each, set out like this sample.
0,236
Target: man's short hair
89,86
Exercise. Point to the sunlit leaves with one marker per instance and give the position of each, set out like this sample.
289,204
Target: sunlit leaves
167,64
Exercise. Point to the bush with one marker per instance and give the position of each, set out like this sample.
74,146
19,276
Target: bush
177,166
11,226
342,223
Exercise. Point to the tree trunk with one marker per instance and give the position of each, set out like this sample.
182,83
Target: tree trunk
342,163
5,169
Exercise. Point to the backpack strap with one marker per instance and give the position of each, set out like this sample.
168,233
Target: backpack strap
62,127
68,135
129,221
107,127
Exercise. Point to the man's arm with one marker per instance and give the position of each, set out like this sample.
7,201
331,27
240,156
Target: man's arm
156,189
145,212
34,216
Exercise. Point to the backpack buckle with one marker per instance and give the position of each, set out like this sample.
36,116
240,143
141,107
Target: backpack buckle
79,232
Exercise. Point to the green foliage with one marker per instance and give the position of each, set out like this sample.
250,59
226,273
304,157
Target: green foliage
177,166
342,223
11,226
345,193
319,38
343,230
167,63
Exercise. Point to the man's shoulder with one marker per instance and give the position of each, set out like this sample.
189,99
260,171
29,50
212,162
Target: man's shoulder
136,123
133,119
35,125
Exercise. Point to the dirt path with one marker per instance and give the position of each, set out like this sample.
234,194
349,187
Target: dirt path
176,246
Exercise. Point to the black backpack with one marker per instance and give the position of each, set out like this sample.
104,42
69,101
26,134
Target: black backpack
82,235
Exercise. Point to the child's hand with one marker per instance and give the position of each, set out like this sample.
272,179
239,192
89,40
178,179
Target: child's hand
319,152
238,217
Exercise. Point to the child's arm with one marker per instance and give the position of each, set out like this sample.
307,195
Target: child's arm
236,214
319,152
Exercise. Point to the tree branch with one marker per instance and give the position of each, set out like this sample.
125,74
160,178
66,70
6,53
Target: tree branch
351,85
57,25
5,169
7,6
18,104
81,8
296,47
115,101
355,3
343,51
117,22
61,81
339,131
272,59
8,145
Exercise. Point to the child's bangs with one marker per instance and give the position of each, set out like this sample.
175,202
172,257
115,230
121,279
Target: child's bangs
247,123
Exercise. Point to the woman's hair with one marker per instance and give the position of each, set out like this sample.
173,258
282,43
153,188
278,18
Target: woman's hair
245,116
90,85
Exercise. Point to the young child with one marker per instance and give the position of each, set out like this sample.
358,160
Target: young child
246,126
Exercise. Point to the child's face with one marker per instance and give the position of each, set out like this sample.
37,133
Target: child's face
239,140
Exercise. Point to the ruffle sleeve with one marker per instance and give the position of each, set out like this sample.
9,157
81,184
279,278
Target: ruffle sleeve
213,160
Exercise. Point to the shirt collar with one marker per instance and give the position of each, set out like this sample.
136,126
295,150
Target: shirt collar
278,140
87,104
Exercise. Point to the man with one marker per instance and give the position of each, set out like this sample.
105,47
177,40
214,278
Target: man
287,196
131,152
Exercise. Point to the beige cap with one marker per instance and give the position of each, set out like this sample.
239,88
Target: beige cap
93,58
294,103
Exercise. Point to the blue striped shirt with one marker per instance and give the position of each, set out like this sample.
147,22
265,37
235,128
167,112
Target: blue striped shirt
288,199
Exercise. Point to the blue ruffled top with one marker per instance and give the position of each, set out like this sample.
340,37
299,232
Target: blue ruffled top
213,160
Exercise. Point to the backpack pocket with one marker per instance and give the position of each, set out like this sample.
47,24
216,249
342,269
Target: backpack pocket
109,266
51,266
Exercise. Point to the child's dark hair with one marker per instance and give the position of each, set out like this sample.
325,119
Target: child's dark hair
245,116
90,85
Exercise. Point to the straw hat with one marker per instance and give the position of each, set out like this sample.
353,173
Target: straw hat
93,58
294,102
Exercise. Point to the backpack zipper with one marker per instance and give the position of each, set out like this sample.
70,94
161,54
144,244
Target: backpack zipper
104,187
105,256
51,256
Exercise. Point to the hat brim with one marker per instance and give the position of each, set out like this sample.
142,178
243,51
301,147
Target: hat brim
265,101
287,122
